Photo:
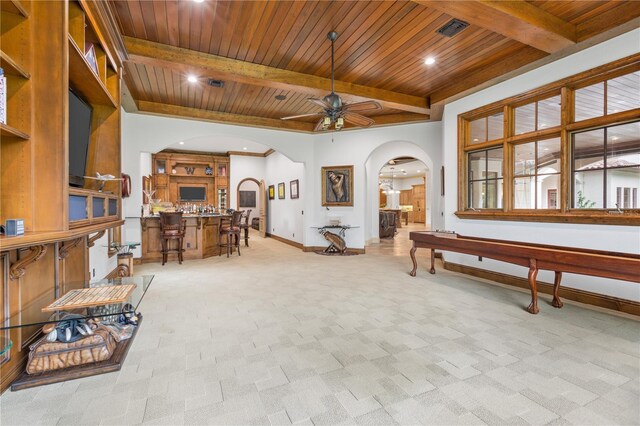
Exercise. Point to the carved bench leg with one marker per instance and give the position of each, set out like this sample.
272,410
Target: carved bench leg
433,260
557,303
533,273
413,259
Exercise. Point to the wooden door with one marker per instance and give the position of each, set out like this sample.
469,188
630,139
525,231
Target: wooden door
418,195
263,209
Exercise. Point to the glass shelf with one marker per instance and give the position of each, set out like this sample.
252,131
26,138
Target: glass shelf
104,312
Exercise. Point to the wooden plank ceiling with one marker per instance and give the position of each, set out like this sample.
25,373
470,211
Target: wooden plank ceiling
261,49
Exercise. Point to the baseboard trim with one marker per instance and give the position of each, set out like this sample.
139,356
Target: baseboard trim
581,296
320,248
284,240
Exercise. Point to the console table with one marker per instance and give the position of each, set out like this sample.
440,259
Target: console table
337,245
106,313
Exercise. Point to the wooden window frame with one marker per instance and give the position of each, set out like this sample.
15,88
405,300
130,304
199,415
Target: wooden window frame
566,88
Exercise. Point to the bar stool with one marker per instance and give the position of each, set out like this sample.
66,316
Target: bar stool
244,225
230,227
172,227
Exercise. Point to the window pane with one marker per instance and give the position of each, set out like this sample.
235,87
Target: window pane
524,193
548,188
548,156
493,193
496,126
477,164
588,189
588,150
525,118
623,93
623,145
495,161
478,131
549,112
525,159
589,102
476,195
625,181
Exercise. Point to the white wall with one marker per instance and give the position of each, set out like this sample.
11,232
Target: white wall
100,264
285,217
603,237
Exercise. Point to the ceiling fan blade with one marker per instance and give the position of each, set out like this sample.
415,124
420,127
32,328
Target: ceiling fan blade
321,103
313,114
357,119
319,125
362,106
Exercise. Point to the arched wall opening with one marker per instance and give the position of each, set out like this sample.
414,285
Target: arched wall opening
376,160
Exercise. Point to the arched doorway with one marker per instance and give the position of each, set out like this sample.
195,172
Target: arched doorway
376,160
251,196
402,183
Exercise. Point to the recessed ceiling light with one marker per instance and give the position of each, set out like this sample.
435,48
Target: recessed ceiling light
181,143
615,138
192,78
430,60
476,140
417,171
244,149
281,97
199,1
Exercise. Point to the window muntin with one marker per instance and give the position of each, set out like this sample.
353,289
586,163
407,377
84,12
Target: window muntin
486,129
604,160
538,115
536,170
485,179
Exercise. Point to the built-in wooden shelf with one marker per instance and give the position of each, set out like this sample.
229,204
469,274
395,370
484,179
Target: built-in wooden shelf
14,6
84,80
12,67
193,175
7,131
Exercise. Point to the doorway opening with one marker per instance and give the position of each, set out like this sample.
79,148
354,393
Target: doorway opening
251,198
402,195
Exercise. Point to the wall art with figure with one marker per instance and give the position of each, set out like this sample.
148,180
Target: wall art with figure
337,186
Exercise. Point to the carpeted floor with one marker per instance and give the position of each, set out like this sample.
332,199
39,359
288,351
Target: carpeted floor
278,336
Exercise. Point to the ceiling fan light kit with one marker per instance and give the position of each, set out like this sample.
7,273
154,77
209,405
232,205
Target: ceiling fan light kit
335,111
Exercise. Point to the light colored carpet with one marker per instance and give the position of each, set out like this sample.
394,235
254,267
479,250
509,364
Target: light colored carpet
278,336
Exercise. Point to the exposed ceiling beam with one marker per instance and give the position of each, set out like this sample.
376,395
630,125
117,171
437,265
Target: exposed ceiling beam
191,61
517,20
155,108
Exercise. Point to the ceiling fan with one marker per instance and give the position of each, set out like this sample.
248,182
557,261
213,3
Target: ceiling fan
334,110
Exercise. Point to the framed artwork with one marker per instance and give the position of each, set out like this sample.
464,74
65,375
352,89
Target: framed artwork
281,191
337,186
247,198
293,189
272,192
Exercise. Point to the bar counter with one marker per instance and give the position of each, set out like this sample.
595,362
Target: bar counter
201,239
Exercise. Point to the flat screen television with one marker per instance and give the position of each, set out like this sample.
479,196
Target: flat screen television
79,134
193,193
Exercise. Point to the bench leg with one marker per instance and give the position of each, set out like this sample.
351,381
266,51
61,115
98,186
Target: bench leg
413,259
433,261
557,303
533,273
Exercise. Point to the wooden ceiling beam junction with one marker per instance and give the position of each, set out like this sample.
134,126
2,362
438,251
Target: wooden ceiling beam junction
190,61
517,20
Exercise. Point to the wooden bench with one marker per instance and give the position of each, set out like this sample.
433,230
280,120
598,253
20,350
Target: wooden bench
597,263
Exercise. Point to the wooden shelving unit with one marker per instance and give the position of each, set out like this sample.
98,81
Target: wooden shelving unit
13,6
8,131
11,67
41,63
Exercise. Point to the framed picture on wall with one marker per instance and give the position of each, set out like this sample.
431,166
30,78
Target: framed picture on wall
272,192
293,189
281,191
337,186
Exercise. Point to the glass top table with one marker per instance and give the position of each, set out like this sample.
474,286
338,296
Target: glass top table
123,247
33,314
